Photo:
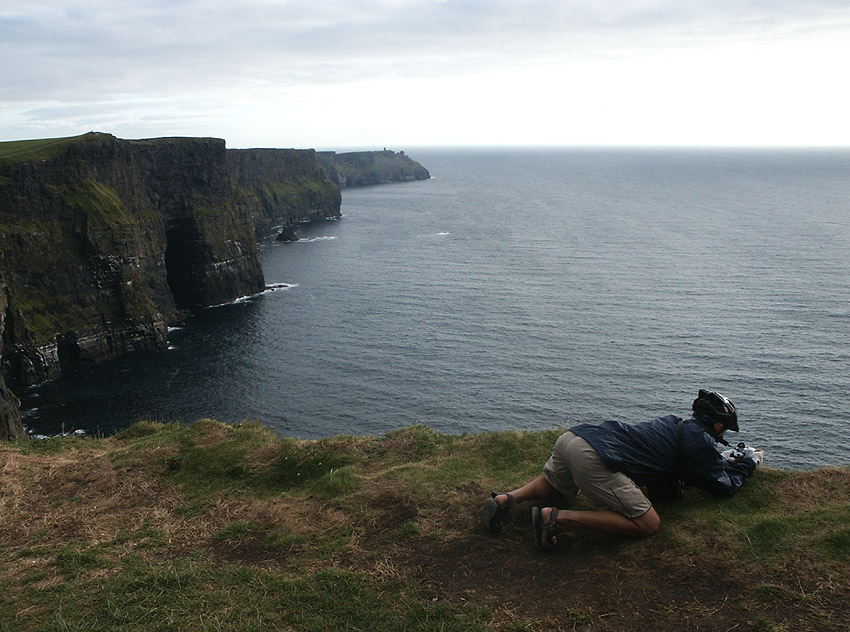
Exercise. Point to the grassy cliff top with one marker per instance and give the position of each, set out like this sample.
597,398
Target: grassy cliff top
18,151
39,149
219,527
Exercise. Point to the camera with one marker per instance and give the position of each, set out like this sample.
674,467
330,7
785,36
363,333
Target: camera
742,451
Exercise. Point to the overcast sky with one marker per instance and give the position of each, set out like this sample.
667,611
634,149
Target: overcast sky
405,73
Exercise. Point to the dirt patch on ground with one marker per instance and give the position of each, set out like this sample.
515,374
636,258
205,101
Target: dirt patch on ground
583,585
595,582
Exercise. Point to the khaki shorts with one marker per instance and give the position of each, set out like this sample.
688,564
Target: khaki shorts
575,465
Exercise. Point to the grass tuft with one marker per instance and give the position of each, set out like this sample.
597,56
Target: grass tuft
303,462
72,562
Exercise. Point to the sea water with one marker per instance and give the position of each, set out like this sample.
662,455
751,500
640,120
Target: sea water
528,289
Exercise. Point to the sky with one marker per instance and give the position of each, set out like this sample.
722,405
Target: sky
335,74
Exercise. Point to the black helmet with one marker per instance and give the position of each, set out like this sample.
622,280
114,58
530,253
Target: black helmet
717,407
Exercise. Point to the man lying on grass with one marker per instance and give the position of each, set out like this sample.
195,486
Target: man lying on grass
609,463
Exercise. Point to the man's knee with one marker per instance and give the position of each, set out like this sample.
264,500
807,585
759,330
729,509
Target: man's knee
648,524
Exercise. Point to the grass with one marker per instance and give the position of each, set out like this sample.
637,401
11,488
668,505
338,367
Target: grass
229,527
39,149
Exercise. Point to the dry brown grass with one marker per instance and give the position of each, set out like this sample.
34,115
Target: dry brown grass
814,489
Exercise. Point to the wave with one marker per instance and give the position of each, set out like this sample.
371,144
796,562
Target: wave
37,436
429,235
272,287
310,240
277,287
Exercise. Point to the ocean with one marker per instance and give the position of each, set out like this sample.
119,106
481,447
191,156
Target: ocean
527,289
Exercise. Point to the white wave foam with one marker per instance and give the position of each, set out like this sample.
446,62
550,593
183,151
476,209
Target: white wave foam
430,235
273,287
38,436
277,287
310,240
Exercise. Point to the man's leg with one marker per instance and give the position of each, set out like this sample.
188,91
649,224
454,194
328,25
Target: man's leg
608,490
607,521
538,489
556,469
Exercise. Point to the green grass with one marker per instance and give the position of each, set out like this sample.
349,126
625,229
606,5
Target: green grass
146,595
822,530
39,149
293,190
301,464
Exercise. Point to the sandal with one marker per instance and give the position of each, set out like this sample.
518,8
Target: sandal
492,512
550,527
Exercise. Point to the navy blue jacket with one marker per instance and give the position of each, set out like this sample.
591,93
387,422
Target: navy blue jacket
647,453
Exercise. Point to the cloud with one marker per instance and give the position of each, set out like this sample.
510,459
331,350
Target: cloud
141,45
141,65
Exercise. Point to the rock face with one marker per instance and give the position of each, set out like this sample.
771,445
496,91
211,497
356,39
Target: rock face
10,409
285,187
105,241
95,234
362,168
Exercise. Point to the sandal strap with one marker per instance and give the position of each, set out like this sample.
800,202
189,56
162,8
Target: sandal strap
553,520
549,527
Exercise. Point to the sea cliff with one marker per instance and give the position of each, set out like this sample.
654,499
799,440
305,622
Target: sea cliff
363,168
104,241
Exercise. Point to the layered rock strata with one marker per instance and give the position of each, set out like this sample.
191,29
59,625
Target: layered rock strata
285,187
